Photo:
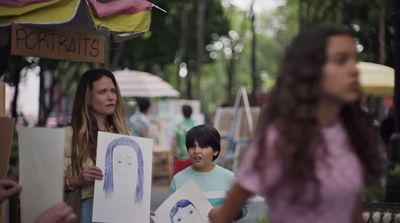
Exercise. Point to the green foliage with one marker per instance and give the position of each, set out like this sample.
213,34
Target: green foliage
161,47
374,194
361,17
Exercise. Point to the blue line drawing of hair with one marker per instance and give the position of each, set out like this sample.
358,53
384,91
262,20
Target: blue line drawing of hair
178,205
108,186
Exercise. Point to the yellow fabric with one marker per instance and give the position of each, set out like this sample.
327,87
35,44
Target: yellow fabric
125,23
86,191
376,79
60,11
13,11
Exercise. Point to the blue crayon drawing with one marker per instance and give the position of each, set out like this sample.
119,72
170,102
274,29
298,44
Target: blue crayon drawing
108,186
184,211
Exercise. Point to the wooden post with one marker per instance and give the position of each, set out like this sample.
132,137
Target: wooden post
2,114
2,99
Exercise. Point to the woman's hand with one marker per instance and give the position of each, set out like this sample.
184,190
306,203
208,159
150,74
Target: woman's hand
90,174
212,213
8,188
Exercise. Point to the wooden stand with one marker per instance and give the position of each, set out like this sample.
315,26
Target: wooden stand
162,165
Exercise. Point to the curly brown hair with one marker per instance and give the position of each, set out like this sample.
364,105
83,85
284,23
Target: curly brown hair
292,111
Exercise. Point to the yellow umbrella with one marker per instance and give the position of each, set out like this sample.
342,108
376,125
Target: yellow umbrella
75,15
376,79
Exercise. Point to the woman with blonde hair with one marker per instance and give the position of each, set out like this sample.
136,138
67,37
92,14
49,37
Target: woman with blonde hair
97,107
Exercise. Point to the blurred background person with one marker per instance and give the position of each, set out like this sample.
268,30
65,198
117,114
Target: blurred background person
179,151
139,123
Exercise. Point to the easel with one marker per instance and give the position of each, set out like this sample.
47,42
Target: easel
233,151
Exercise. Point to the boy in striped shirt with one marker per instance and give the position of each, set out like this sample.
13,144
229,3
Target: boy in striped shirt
203,145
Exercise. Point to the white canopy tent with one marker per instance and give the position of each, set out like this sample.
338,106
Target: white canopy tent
133,83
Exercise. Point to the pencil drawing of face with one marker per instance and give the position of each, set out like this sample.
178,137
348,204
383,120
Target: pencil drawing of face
185,211
122,170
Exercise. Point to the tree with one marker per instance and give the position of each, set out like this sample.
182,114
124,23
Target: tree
368,20
172,40
57,78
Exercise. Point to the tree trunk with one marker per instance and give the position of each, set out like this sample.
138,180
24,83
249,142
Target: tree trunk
117,56
201,9
14,103
183,40
42,99
382,24
231,77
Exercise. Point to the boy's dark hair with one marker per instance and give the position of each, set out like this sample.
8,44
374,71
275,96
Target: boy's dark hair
205,135
187,111
143,103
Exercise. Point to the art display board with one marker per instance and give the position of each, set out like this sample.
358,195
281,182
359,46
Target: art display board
41,169
123,195
187,205
6,136
170,111
170,108
224,118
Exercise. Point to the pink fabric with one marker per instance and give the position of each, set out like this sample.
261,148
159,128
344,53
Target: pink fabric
339,172
119,6
20,3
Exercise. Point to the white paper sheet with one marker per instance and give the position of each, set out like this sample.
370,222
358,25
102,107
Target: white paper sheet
187,205
41,164
123,195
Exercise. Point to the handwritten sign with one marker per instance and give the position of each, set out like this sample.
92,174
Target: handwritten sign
55,44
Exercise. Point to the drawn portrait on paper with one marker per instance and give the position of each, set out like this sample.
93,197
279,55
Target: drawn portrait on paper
184,211
123,175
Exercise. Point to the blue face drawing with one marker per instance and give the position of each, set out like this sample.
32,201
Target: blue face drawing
185,212
124,168
120,154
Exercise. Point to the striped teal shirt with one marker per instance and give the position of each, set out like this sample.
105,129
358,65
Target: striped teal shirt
214,184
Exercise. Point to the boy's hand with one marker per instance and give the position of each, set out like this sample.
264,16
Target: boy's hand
212,213
8,188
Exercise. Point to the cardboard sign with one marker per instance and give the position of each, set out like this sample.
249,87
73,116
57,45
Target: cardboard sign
41,169
2,99
55,44
6,134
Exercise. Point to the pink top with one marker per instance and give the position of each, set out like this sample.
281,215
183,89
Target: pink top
340,174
